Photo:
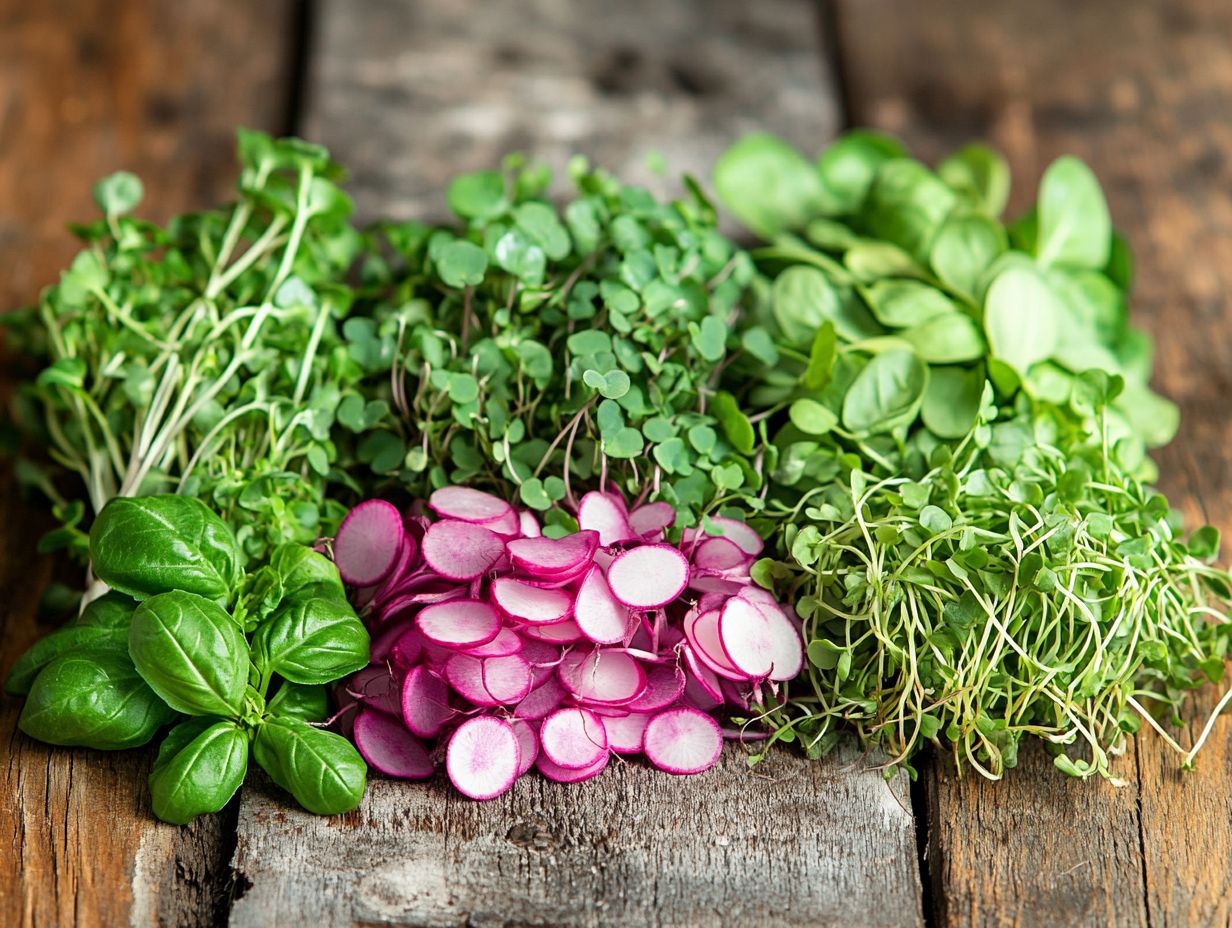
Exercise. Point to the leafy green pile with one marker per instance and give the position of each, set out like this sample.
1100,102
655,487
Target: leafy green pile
538,351
956,466
186,632
202,358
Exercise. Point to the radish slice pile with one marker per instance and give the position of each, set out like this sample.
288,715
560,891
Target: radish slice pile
497,649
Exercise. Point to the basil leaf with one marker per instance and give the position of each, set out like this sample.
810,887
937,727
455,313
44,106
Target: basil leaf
200,765
68,640
301,701
302,569
95,700
322,770
152,545
886,394
191,653
312,641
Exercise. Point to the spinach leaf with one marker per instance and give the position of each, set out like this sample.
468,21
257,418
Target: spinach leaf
903,303
323,771
301,701
1021,317
191,653
312,641
847,167
94,700
152,545
952,401
980,173
1074,225
906,205
768,185
946,339
886,394
964,249
200,765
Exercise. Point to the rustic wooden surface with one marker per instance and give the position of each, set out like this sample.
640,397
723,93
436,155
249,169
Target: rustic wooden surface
790,844
87,88
1140,90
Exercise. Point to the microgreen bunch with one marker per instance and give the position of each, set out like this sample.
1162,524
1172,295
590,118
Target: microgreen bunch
542,352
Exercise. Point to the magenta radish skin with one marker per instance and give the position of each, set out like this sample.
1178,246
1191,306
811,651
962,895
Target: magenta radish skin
664,685
559,774
541,557
461,550
706,698
468,505
600,616
408,553
543,657
383,641
573,738
483,757
379,687
390,748
368,543
542,701
531,604
459,623
505,643
407,649
602,513
425,703
652,519
721,586
683,741
648,577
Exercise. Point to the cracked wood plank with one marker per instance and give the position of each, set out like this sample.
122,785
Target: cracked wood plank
87,89
1139,89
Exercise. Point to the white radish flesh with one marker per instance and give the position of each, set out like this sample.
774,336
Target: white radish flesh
461,550
369,543
599,614
390,748
468,505
490,681
604,676
505,643
528,525
573,738
683,741
546,556
787,646
531,604
744,537
664,685
720,555
605,514
483,758
652,519
702,630
425,703
528,744
745,636
459,623
560,633
626,733
560,774
648,577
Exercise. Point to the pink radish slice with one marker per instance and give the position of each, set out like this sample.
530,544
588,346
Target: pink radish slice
605,514
542,701
664,685
425,703
406,599
407,554
508,526
599,614
706,696
369,542
702,630
736,695
528,744
383,641
543,656
528,525
468,505
560,633
626,733
531,604
459,623
787,648
705,583
652,518
390,748
461,550
648,577
407,648
542,557
505,643
744,633
573,738
719,554
739,533
435,656
560,774
683,741
491,681
377,686
483,757
601,676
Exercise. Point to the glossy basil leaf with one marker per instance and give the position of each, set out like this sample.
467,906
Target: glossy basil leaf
303,570
768,185
1075,228
302,701
83,639
151,545
312,641
952,401
322,770
191,653
200,766
886,394
1021,317
111,610
93,700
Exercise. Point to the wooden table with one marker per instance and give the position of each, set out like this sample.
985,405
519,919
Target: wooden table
407,92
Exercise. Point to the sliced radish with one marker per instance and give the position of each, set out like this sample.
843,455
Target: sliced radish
542,701
425,703
528,744
708,583
369,542
468,505
383,641
390,748
405,600
736,695
528,525
408,647
652,518
648,577
604,676
377,686
461,550
531,604
744,537
459,623
787,645
702,630
483,758
408,554
683,740
505,643
599,614
664,685
605,514
490,681
542,557
573,738
561,774
702,687
508,526
746,639
560,633
625,734
543,656
719,555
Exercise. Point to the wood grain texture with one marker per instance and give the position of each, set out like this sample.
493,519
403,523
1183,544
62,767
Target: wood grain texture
1140,90
795,843
408,93
87,88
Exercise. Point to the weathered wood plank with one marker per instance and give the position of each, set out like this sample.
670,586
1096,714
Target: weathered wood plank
409,93
87,88
794,844
1140,90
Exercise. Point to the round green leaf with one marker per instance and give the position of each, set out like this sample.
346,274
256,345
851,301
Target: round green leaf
200,766
812,418
886,393
1021,317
